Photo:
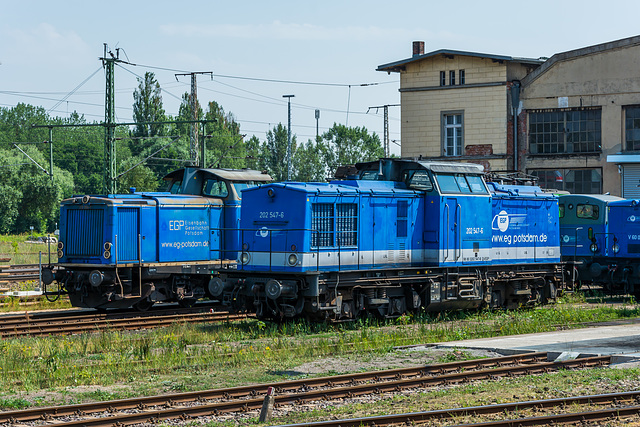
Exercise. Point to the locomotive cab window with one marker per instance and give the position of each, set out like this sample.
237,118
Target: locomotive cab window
215,188
176,187
369,175
561,210
418,179
587,211
459,183
239,186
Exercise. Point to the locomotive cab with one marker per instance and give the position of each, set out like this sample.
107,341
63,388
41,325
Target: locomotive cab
586,237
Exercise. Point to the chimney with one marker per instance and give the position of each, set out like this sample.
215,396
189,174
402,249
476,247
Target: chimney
418,48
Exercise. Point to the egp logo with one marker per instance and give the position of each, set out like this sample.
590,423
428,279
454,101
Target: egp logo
176,224
501,221
263,232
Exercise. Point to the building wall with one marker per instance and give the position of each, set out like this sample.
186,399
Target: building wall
484,107
608,79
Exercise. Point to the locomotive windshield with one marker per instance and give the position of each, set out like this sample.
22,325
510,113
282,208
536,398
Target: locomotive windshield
460,183
175,187
239,186
214,188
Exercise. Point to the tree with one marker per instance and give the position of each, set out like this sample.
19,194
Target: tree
225,147
274,152
308,164
147,107
252,147
346,146
29,196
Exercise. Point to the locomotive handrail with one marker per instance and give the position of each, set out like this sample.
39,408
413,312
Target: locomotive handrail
446,236
575,243
459,249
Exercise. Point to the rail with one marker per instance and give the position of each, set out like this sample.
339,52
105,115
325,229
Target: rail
241,399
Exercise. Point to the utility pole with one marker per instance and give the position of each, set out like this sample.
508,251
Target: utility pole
386,125
289,138
196,159
109,121
51,153
317,123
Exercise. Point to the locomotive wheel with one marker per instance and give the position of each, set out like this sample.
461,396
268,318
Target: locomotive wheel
143,305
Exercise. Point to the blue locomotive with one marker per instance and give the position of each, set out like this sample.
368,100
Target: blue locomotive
402,235
601,234
120,251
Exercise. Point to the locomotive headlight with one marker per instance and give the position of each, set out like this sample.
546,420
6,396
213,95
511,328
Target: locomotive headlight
107,246
615,248
60,253
60,245
107,254
594,247
293,260
244,258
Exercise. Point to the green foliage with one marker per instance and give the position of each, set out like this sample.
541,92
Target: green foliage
147,107
29,196
145,153
317,161
225,147
346,146
308,163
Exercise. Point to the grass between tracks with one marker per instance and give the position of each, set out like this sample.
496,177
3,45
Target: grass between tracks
22,249
112,364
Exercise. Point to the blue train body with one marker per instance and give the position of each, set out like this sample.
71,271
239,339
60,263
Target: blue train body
136,249
150,228
401,236
601,234
525,225
398,235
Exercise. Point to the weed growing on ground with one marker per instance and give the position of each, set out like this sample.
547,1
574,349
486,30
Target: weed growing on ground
228,354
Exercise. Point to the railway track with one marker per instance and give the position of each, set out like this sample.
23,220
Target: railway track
18,273
74,321
619,405
191,405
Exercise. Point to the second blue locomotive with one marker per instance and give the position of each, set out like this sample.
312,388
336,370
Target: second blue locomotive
403,235
601,237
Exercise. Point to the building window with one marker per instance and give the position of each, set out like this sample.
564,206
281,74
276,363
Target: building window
632,127
452,132
576,181
443,82
565,131
452,78
461,76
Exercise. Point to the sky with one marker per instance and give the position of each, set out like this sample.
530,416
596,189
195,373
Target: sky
325,53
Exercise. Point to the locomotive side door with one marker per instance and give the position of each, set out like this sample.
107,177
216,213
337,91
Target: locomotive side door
451,225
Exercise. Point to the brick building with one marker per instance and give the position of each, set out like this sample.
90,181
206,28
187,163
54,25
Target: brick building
577,113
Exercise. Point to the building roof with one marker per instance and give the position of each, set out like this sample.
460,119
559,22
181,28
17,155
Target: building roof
572,54
399,66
